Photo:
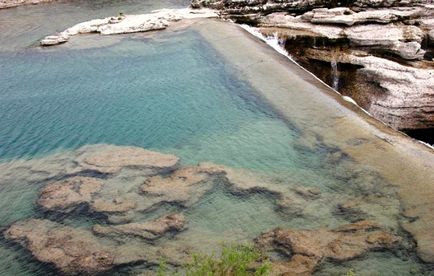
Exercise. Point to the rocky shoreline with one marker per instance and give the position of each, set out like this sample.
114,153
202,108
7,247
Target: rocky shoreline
379,53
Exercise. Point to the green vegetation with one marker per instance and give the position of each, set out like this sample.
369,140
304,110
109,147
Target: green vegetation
235,260
350,273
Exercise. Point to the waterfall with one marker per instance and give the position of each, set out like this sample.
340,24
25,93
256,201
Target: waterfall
335,75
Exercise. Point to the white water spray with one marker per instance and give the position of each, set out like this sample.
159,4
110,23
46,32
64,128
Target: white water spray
335,75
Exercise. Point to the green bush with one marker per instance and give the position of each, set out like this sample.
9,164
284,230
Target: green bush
235,260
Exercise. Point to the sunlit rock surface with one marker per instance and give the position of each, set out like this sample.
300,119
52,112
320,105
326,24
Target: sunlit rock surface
122,24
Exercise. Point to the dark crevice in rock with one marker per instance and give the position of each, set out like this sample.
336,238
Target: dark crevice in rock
426,135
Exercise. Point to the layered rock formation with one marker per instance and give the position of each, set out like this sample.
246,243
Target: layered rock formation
377,52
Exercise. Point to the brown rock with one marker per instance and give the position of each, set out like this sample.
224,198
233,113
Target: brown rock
185,186
308,193
65,195
72,251
314,246
113,158
149,230
115,205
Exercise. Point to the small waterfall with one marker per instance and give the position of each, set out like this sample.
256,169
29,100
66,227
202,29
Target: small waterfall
335,75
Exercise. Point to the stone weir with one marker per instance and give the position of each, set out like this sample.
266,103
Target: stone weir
379,53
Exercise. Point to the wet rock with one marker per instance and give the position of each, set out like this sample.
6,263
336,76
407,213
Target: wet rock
289,206
308,193
68,194
399,95
72,251
184,186
308,248
298,266
75,251
113,205
351,211
113,158
149,230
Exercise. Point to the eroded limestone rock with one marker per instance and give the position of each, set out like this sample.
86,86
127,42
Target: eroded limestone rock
157,20
149,230
308,248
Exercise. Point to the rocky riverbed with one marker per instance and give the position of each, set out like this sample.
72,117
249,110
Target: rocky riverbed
116,188
380,53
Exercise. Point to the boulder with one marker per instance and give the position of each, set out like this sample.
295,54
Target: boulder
149,230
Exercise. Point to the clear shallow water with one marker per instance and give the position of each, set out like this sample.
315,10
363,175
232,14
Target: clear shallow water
173,94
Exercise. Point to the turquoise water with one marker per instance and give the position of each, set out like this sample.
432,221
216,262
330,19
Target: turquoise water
174,95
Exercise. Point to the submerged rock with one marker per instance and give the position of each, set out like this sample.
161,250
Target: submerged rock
149,230
112,159
68,194
184,186
107,204
71,250
309,248
75,251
